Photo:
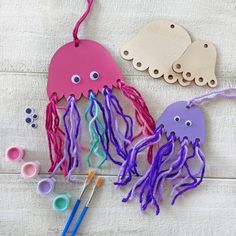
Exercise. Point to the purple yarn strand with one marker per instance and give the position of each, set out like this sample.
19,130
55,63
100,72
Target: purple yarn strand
104,141
114,110
75,151
125,174
71,121
200,156
225,93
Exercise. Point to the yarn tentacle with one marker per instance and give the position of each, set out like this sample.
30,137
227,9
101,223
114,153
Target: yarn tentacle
72,150
142,113
97,131
151,184
114,112
125,174
197,153
55,135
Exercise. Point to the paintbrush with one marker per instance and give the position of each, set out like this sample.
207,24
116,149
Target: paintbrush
77,203
99,181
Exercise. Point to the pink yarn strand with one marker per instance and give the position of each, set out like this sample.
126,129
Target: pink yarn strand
82,18
55,134
142,114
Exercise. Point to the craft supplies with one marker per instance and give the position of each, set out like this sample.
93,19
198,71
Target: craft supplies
87,182
61,202
31,117
15,153
164,48
30,169
98,183
45,186
84,68
181,130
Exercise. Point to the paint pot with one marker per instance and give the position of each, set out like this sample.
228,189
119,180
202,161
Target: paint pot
15,153
61,202
45,186
30,169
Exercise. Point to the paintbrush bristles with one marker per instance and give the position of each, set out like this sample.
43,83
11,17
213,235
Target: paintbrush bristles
99,181
90,175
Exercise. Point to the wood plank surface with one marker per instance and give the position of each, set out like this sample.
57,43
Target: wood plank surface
30,33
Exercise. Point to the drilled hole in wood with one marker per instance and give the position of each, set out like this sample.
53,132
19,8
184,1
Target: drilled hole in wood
200,79
126,52
178,66
172,26
188,74
156,71
170,77
139,64
205,45
212,82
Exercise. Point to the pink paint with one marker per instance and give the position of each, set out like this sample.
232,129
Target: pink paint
70,61
30,169
15,153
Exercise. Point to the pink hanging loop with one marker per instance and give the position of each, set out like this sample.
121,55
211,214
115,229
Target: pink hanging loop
82,18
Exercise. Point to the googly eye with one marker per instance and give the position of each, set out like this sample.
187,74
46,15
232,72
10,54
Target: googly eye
28,120
94,75
29,111
35,116
177,119
34,126
75,79
188,123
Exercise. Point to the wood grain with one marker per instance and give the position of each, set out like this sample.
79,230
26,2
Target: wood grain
30,32
30,214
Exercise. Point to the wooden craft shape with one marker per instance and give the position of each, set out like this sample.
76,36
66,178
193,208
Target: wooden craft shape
198,63
157,45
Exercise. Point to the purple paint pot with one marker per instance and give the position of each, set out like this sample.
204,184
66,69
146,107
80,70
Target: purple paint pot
45,186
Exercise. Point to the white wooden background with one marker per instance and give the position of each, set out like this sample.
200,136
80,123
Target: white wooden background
30,32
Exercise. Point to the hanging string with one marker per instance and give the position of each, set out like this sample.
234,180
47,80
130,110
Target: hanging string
225,93
54,133
82,18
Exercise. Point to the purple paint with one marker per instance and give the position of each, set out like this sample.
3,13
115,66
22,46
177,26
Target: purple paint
193,114
45,186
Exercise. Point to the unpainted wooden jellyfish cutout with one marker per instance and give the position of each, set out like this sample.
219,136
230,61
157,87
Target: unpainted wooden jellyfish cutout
157,45
198,63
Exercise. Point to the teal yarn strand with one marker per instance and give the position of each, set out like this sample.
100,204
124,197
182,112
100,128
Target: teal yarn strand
92,118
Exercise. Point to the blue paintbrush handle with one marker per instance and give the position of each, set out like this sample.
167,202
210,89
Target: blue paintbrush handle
69,220
78,222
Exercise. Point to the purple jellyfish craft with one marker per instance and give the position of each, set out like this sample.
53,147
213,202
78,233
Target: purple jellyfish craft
180,131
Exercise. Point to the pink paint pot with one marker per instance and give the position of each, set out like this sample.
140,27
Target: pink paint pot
30,169
15,153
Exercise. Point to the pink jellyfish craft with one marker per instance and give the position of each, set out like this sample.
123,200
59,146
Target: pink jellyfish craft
179,160
84,68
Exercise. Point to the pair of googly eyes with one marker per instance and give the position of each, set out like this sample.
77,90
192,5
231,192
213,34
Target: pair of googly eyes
187,122
30,117
94,75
